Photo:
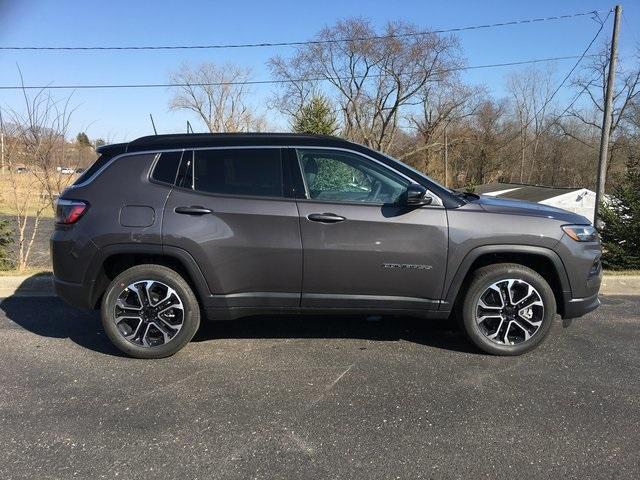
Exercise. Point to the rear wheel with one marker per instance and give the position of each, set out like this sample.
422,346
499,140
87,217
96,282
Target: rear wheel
508,309
149,311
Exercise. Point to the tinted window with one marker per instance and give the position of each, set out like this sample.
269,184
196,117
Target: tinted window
253,171
185,173
97,165
167,167
348,177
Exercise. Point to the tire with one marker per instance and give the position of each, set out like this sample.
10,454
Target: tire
149,311
526,314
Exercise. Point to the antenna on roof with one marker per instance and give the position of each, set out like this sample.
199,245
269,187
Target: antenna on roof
189,127
155,132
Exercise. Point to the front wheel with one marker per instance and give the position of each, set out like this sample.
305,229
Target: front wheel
508,309
149,311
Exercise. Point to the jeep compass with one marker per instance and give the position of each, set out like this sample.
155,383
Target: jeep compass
168,229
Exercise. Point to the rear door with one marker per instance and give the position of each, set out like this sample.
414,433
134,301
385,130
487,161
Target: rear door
362,248
230,213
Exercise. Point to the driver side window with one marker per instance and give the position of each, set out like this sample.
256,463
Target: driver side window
334,175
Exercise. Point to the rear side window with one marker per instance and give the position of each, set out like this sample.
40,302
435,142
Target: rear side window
100,162
166,167
251,171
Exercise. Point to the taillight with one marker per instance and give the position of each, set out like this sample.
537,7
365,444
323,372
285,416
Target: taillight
69,211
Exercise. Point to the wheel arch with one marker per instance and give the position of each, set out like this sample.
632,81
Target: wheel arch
540,259
114,259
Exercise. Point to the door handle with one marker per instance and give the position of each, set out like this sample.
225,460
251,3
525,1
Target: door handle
193,210
325,217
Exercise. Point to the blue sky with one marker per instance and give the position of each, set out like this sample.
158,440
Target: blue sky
123,114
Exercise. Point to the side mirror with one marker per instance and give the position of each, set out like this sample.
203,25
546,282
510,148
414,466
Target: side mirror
416,195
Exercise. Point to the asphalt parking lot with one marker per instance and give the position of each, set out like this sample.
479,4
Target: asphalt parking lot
316,398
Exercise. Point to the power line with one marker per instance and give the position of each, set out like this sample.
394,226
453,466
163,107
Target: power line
631,29
310,42
559,117
564,80
268,82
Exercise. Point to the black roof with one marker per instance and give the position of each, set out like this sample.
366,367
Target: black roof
523,191
199,140
195,140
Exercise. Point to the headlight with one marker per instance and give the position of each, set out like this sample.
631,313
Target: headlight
581,233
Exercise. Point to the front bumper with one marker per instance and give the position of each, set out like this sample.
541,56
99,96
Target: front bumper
577,307
584,273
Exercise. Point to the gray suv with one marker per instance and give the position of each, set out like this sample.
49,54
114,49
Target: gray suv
169,228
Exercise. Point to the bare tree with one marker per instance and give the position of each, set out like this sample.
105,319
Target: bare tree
24,197
531,92
218,96
480,153
35,139
442,106
41,129
593,82
297,86
373,77
634,122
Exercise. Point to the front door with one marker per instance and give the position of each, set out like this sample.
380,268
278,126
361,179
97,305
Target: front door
362,249
230,213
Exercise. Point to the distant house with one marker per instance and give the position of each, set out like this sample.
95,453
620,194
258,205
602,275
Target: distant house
578,200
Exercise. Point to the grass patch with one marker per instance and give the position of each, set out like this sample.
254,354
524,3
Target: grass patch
626,273
31,211
29,187
30,271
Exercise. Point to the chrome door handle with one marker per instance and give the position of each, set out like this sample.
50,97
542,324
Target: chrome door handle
325,217
193,210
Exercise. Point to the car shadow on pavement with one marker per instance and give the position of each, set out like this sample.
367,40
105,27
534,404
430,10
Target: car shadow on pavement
33,307
442,334
49,316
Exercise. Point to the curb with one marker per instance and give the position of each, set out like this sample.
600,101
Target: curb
27,286
42,285
620,285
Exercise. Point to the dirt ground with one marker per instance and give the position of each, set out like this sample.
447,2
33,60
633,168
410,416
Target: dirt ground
40,256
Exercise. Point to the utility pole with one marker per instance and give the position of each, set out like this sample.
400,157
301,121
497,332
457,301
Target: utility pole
523,144
2,148
606,116
2,141
446,158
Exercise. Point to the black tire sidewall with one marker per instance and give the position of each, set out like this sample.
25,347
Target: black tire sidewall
168,277
481,280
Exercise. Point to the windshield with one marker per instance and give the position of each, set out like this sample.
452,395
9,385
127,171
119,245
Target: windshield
422,174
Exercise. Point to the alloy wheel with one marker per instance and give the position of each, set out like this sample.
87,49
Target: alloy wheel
509,312
148,313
